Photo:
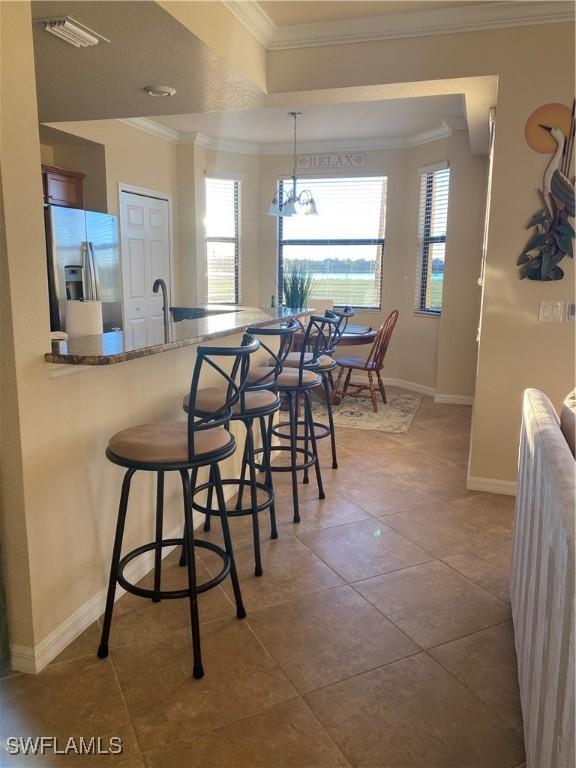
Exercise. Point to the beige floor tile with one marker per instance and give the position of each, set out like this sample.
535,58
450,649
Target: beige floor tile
318,513
135,617
285,736
414,713
493,675
168,705
74,698
85,644
367,548
487,565
432,603
455,526
326,637
290,570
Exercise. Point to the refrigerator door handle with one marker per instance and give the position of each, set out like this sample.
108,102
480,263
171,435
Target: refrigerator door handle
92,292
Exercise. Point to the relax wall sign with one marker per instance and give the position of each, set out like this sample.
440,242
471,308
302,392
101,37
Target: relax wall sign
334,161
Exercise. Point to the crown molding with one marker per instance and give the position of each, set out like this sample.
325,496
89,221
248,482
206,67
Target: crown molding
256,20
304,147
152,128
499,15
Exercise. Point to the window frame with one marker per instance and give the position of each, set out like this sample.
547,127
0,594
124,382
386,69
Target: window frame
380,241
427,239
235,240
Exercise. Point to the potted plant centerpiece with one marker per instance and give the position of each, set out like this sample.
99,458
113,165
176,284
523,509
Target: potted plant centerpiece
297,286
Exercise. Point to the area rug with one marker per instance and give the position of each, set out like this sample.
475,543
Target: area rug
357,412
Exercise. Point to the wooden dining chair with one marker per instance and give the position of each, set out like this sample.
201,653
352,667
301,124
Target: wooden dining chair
372,364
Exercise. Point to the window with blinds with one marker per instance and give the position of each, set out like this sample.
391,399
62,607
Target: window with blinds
223,240
343,246
432,224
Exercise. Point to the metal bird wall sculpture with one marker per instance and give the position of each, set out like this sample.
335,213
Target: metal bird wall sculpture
553,235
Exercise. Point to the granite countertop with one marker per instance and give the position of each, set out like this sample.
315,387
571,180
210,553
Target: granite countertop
115,347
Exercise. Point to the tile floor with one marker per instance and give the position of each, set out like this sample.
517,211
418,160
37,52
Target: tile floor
379,635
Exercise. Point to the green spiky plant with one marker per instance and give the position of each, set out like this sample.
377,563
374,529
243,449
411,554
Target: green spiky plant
297,287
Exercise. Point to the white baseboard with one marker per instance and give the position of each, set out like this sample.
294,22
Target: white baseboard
454,399
33,660
410,385
491,485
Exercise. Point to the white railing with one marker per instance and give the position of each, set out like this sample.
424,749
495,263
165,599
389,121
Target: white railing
542,586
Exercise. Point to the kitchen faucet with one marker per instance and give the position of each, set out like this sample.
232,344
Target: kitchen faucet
160,284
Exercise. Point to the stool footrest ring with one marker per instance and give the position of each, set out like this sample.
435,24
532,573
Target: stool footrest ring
309,456
173,594
326,431
266,504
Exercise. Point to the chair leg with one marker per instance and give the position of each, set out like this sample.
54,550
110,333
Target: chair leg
197,672
328,392
116,552
253,498
182,562
208,519
308,405
268,475
306,478
338,380
347,382
293,454
381,386
373,392
159,527
240,610
242,473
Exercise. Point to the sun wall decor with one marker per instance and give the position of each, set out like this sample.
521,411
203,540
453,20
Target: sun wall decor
550,130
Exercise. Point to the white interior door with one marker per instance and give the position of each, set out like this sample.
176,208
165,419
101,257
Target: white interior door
145,238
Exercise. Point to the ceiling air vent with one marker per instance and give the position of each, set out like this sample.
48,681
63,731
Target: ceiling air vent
72,31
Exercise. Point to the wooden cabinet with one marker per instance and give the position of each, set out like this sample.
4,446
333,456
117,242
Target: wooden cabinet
62,187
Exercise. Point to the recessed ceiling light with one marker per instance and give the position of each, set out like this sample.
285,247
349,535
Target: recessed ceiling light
159,91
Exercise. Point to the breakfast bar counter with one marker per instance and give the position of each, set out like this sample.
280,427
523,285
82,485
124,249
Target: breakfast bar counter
217,321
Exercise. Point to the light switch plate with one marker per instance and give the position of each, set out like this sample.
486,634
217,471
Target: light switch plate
570,311
551,311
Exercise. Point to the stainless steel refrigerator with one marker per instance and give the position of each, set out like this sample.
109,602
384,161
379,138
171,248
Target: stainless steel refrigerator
83,263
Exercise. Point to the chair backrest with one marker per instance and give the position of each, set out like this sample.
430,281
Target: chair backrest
381,342
344,316
285,333
235,384
318,338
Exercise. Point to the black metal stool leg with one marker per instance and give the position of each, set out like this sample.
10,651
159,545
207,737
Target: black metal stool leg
268,476
243,471
253,497
198,672
328,393
207,521
306,479
308,404
159,526
240,610
182,562
293,454
116,552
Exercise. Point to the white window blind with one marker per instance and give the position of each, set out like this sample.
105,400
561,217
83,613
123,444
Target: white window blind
223,240
343,246
432,225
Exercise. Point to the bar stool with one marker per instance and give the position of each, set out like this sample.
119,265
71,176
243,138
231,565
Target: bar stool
295,384
180,447
326,364
258,402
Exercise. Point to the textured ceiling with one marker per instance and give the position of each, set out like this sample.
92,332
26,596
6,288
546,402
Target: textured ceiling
302,12
148,46
393,118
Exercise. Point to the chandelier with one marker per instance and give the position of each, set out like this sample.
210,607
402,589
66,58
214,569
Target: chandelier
294,203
